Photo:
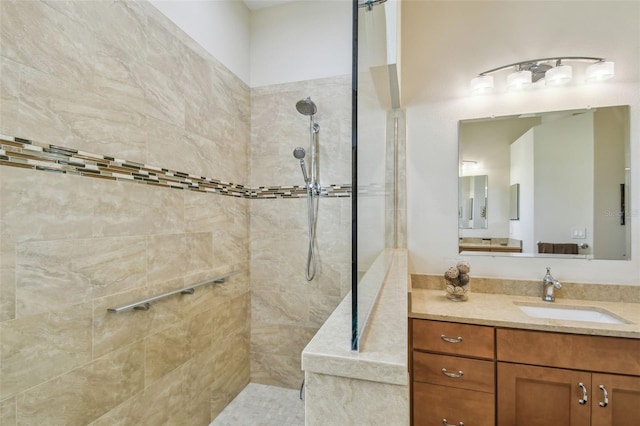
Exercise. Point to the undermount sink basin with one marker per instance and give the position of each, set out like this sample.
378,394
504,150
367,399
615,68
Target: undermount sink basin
571,313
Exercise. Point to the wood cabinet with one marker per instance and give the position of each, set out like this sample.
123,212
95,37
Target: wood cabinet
482,375
616,400
494,249
539,396
565,379
453,374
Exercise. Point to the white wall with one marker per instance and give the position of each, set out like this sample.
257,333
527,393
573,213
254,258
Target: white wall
300,41
611,131
449,43
562,147
220,26
522,174
295,41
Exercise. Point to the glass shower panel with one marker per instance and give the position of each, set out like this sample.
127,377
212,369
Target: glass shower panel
374,184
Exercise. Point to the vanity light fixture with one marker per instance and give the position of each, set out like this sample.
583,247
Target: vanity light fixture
468,165
552,70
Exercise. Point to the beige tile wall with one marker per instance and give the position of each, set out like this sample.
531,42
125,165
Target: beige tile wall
117,78
286,310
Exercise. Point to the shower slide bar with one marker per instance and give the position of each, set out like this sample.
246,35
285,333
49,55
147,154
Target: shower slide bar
145,305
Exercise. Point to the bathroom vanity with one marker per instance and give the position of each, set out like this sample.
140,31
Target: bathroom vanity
499,245
486,362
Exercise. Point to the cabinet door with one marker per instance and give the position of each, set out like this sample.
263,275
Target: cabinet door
616,400
540,396
435,405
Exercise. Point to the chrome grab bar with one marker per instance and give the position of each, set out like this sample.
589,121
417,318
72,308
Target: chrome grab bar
145,305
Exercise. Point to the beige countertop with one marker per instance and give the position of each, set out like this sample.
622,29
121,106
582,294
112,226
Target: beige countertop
502,311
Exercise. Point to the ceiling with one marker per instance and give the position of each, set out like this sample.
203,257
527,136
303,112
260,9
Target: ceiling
261,4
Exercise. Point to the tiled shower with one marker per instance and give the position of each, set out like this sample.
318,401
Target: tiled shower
166,170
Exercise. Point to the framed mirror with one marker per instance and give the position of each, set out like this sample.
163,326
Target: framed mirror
559,180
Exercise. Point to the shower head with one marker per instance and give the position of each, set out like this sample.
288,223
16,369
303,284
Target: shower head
299,153
306,106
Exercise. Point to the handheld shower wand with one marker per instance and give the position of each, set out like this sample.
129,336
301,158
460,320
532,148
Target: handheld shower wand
299,154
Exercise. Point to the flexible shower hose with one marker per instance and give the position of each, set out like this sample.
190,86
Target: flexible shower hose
312,214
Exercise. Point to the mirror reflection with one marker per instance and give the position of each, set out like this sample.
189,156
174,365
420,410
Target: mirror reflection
472,210
559,184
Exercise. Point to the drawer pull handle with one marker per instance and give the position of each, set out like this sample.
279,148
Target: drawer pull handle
605,400
584,394
444,423
454,375
451,339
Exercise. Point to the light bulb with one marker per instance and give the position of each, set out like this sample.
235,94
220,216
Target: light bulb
481,84
519,80
600,71
558,76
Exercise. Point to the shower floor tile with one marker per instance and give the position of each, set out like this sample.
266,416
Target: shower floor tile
262,405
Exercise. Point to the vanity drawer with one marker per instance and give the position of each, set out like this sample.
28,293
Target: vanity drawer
432,404
463,373
573,351
453,338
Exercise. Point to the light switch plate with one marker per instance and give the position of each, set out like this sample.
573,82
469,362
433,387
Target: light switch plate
578,233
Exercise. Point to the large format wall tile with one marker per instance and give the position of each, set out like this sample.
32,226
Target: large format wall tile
232,373
121,80
55,274
166,257
280,339
157,404
123,209
62,112
284,305
166,350
40,347
8,411
37,207
68,51
7,294
87,392
276,370
111,78
9,96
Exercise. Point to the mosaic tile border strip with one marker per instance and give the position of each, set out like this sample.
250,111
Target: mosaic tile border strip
24,153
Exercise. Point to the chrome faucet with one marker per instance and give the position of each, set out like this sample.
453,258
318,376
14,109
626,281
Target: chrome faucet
548,285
